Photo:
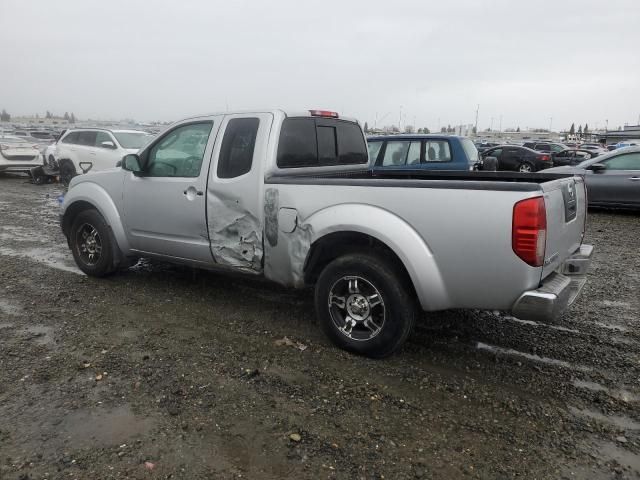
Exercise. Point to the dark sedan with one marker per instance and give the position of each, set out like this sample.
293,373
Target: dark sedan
518,159
572,157
613,179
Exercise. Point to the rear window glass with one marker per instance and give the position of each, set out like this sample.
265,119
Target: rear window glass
470,149
313,142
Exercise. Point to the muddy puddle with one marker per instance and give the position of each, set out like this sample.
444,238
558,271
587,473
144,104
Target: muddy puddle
620,394
103,427
47,256
40,334
530,356
618,421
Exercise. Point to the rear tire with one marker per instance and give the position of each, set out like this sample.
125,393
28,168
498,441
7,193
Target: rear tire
365,304
91,244
526,167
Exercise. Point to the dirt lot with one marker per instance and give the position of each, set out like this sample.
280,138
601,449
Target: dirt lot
166,372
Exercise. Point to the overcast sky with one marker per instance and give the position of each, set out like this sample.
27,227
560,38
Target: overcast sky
574,61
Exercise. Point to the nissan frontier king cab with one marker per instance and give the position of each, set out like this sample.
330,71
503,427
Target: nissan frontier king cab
289,196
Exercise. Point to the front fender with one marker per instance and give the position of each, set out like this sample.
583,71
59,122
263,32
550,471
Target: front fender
97,196
396,234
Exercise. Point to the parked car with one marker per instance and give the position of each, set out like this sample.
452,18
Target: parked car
572,156
549,147
289,196
18,154
628,143
94,149
424,152
596,148
482,146
613,180
519,159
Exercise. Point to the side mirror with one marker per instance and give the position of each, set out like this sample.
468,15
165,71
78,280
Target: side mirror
597,167
131,163
108,144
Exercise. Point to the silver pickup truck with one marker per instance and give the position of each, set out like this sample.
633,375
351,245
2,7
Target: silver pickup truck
288,196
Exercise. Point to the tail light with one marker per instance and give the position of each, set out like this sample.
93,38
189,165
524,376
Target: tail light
323,113
545,158
529,233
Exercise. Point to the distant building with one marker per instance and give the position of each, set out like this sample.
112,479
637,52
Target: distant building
629,132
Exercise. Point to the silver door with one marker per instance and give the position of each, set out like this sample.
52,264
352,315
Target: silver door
165,205
235,191
619,184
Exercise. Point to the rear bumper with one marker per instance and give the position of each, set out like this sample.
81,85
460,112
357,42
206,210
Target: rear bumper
558,291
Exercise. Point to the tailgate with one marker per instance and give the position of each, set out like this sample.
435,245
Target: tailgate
566,203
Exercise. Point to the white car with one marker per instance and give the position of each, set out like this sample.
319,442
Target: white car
93,149
18,154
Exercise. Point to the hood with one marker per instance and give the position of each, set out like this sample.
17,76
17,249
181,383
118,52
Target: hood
97,177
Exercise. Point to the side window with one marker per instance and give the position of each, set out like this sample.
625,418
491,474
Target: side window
437,151
180,152
71,138
495,153
102,137
238,144
396,153
374,150
87,139
630,161
413,157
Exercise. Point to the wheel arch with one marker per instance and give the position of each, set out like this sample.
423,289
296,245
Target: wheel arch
86,196
359,228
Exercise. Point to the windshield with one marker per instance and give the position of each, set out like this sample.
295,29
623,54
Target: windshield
470,149
132,139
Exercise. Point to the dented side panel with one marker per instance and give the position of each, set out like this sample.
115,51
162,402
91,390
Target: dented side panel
236,207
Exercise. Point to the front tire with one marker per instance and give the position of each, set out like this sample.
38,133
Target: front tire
365,304
91,244
67,172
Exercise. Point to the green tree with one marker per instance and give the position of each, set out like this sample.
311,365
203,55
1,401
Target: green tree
426,130
66,116
585,130
4,116
366,126
518,129
572,130
72,119
474,130
443,130
580,130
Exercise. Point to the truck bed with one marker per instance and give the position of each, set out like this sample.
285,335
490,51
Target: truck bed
499,181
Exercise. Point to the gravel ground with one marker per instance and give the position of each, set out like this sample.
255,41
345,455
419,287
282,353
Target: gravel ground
167,372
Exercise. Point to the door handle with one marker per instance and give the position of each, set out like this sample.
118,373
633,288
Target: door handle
191,192
634,179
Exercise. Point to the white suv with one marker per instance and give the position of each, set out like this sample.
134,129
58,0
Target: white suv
93,149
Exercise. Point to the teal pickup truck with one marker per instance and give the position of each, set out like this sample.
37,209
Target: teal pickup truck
423,152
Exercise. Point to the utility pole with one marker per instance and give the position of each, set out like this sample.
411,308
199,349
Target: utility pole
476,126
400,119
550,123
491,125
500,130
